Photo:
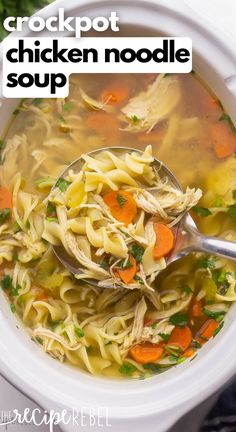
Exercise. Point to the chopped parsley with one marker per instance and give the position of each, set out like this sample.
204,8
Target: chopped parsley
164,336
79,332
68,106
62,184
206,262
6,282
62,119
154,325
218,329
232,212
217,315
187,289
201,211
127,369
16,227
15,291
220,279
138,279
179,319
54,324
4,215
13,308
152,367
121,200
125,264
134,119
224,117
137,251
196,344
104,264
1,149
36,101
51,213
16,111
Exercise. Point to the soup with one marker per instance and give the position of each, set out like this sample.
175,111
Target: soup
120,332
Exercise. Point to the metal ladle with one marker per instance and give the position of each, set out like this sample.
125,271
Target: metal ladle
188,238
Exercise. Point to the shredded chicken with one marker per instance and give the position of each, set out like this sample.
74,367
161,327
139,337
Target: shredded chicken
153,105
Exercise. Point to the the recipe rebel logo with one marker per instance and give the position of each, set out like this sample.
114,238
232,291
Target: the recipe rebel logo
40,67
88,418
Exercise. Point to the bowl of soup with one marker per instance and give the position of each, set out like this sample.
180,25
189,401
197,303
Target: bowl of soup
161,340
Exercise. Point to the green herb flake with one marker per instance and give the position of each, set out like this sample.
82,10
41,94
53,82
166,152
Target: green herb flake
6,282
79,332
187,289
218,329
16,227
201,211
134,119
4,215
51,211
121,200
39,340
196,344
16,111
104,264
152,367
137,251
36,101
15,291
125,264
68,106
206,262
173,358
89,349
52,219
62,119
127,369
63,184
224,117
13,308
216,315
54,324
164,336
138,279
232,212
154,325
108,343
179,319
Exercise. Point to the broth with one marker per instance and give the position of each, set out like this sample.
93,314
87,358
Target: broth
95,325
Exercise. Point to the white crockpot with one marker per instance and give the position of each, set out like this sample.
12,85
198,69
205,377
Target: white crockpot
155,403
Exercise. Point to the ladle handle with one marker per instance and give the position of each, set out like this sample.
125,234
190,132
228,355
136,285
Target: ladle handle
211,245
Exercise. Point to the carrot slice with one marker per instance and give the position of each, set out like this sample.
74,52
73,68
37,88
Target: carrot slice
122,205
164,241
208,330
188,353
146,353
116,94
181,337
5,198
224,141
128,274
196,308
103,123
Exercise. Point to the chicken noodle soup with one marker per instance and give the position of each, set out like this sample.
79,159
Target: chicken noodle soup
113,216
118,214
